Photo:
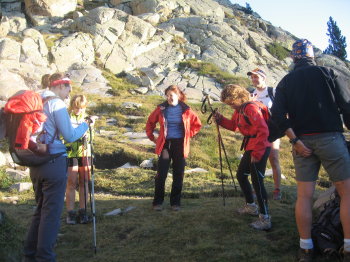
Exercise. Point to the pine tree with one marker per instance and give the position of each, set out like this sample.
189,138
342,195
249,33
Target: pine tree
248,9
337,42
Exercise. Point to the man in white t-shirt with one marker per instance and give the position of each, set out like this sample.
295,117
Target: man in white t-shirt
265,95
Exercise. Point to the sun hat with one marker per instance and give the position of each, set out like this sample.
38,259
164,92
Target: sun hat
257,71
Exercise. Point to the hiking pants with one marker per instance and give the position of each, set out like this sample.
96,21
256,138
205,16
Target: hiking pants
49,183
172,151
257,171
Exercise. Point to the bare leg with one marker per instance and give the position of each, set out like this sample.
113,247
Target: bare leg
343,188
303,208
70,190
275,164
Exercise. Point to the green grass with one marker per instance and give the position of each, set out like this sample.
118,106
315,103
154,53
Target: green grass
204,230
278,51
211,70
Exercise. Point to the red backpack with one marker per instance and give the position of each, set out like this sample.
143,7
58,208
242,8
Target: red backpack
24,119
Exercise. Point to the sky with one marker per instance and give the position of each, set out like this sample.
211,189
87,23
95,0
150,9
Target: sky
305,18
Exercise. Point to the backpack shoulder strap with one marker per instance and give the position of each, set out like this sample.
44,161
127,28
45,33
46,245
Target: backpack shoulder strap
270,93
242,111
48,98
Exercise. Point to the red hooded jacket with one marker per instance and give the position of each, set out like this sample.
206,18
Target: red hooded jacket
258,128
30,105
191,121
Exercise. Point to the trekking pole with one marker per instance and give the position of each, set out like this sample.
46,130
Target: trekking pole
92,192
86,168
221,142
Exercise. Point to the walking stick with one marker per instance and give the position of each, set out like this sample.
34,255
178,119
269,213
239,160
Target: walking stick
86,170
220,141
92,193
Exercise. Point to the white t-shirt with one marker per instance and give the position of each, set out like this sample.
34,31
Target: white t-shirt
263,96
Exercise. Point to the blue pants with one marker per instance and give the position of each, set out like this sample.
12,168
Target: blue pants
49,183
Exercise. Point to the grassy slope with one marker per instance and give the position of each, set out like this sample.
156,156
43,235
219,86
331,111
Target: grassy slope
203,230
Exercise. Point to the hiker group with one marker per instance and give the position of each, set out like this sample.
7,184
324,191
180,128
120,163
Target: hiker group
309,106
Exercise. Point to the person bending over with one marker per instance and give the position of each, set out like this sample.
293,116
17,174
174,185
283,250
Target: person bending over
250,122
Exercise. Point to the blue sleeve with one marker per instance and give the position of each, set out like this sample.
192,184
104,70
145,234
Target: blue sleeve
64,125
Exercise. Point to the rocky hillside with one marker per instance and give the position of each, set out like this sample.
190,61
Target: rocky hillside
142,40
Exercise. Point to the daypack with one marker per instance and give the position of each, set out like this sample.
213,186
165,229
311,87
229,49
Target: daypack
327,231
24,119
270,93
274,132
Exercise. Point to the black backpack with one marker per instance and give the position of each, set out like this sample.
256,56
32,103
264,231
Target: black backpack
274,131
270,93
327,231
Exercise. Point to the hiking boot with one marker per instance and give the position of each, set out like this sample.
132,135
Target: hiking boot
157,207
346,257
277,194
263,223
71,217
175,208
250,209
305,255
83,218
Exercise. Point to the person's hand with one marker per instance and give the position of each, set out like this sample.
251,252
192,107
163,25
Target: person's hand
301,149
217,117
91,120
253,159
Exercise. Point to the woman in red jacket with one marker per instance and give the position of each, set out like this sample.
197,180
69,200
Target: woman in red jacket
178,123
249,120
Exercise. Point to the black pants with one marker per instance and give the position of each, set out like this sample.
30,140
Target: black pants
172,151
257,171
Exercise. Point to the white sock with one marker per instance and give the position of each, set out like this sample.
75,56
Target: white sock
306,243
347,244
251,204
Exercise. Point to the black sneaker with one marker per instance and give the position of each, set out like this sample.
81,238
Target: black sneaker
71,217
83,218
305,255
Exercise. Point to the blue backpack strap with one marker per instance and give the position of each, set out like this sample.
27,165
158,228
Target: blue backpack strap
270,93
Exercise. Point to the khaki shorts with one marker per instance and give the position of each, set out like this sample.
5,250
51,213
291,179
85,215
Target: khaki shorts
329,149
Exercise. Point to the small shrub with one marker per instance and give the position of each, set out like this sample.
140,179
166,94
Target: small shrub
211,70
278,51
5,180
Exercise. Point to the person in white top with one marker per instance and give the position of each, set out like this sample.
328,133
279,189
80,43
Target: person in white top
265,95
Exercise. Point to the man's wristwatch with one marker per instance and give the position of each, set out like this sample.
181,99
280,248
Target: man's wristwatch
294,140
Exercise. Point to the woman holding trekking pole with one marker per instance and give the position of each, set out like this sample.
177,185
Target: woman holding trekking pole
79,164
250,121
178,123
49,179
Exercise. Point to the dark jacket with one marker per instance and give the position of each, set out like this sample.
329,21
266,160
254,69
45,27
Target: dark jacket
305,103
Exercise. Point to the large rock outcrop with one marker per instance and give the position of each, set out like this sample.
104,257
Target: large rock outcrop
144,39
49,7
